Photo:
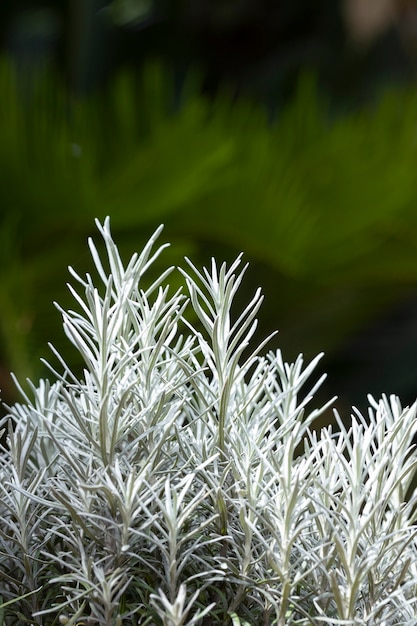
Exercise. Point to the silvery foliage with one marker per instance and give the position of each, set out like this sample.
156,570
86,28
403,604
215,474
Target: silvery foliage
178,481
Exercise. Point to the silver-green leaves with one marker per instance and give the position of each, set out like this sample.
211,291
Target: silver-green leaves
180,480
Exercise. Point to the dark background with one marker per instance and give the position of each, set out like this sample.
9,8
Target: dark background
255,47
324,87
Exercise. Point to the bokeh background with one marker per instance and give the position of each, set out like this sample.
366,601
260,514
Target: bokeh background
286,130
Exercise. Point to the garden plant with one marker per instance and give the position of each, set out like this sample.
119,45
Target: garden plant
179,478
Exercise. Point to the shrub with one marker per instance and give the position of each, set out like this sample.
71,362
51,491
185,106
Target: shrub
179,480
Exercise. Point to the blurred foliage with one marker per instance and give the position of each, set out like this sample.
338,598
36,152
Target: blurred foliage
323,206
131,11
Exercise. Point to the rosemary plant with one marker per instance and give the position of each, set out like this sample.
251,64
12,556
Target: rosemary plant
180,481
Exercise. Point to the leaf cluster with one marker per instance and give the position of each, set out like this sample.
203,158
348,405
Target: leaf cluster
180,480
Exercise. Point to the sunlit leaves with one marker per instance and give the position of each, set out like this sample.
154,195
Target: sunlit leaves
180,480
